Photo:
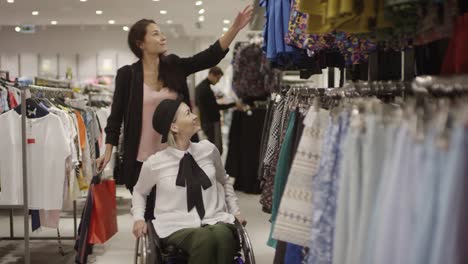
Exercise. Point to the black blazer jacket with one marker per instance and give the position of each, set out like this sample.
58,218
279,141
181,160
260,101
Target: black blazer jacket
127,103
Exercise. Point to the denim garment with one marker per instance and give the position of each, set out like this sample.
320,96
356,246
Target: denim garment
384,246
374,221
276,28
374,155
462,236
325,190
426,197
423,193
350,170
293,254
444,248
407,200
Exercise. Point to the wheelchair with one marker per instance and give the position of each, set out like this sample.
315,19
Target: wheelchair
149,249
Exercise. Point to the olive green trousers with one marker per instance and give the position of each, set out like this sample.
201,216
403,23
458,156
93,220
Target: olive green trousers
210,244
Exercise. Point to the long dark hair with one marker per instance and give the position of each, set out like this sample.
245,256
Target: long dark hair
137,34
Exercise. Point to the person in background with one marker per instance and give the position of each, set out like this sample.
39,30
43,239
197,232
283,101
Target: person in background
139,88
209,108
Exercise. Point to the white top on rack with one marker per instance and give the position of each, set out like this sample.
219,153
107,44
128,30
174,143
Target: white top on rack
47,149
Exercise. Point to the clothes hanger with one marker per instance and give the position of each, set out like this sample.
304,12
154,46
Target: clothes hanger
33,109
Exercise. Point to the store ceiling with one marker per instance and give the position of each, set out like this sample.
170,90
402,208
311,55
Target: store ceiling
182,15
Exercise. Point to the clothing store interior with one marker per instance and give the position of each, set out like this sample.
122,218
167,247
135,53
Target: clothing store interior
234,131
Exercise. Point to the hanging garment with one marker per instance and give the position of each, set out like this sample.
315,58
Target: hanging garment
462,237
270,160
437,23
456,59
265,137
355,49
294,220
48,148
49,218
373,153
282,172
4,100
244,148
342,15
12,100
293,254
396,191
348,189
297,35
276,28
450,201
273,140
325,191
280,252
430,57
253,76
389,224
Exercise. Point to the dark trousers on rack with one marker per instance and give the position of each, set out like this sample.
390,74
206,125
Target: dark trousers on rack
150,199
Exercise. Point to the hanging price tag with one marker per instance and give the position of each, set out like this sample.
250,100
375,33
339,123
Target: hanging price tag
30,139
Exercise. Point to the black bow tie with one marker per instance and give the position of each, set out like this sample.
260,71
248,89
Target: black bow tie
195,177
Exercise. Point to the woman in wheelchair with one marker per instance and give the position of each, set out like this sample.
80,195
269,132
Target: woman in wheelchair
196,205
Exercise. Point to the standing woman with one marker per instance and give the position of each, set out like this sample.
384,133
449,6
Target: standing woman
140,87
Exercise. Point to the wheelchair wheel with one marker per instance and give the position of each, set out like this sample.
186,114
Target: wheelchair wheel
247,248
148,248
141,250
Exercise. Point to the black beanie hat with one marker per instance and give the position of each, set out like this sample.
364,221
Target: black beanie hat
163,117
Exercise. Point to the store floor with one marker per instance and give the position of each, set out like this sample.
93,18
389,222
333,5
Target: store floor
121,248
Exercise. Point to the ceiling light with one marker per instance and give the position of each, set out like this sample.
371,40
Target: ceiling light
111,22
201,11
169,22
225,21
10,1
17,29
53,22
125,28
155,0
199,3
83,0
35,13
99,12
225,29
163,12
201,18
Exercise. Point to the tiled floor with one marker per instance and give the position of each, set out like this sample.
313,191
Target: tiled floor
121,248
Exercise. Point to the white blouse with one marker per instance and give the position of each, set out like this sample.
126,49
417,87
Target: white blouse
171,214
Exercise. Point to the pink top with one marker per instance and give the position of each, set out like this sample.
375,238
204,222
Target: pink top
150,140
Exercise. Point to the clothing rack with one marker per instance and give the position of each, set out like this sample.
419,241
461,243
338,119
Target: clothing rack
49,83
440,85
93,96
437,94
25,206
420,87
50,89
